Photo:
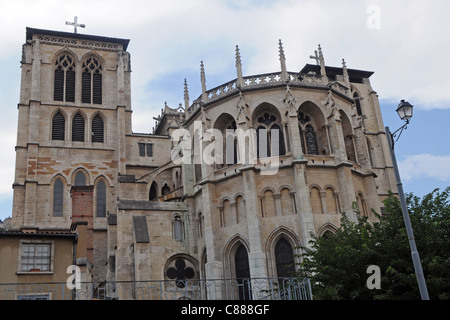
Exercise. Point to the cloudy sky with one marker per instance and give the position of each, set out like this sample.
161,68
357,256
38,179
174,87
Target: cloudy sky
405,42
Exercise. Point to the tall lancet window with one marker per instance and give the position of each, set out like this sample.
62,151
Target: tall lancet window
58,126
78,128
58,198
97,129
91,81
64,84
101,199
284,258
308,135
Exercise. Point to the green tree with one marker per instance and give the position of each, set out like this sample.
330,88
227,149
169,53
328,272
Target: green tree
337,265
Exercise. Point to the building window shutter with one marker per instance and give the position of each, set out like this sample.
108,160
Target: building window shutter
70,86
78,128
58,126
101,199
86,87
97,88
97,129
58,197
59,85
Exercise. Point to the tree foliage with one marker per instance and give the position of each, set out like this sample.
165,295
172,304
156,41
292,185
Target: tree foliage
337,265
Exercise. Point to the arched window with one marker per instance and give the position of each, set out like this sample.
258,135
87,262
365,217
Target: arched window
64,85
101,199
242,269
58,198
97,129
153,192
165,189
227,155
91,82
58,126
80,179
78,128
308,135
270,137
284,258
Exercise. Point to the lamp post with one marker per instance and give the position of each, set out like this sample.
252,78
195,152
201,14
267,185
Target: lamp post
405,112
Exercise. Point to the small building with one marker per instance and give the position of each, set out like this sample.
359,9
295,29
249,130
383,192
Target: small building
41,265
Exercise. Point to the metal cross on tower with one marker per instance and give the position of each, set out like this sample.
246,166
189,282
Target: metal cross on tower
75,24
315,57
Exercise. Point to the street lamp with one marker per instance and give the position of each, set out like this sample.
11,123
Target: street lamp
405,112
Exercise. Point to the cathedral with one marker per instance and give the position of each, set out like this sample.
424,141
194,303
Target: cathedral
227,186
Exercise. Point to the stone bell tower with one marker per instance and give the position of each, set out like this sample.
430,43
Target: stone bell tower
74,114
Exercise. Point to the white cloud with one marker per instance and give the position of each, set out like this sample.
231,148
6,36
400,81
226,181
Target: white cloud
422,166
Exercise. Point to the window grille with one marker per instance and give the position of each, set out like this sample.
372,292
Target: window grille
78,128
35,257
97,129
58,126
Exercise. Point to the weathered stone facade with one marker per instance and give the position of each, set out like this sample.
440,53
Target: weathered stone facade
155,203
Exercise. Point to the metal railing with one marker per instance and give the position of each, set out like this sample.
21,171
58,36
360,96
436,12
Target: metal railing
209,289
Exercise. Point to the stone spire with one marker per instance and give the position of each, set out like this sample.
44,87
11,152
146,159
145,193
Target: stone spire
203,80
240,79
322,67
284,74
186,95
346,76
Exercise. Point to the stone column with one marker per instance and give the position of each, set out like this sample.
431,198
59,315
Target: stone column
214,265
303,201
257,261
